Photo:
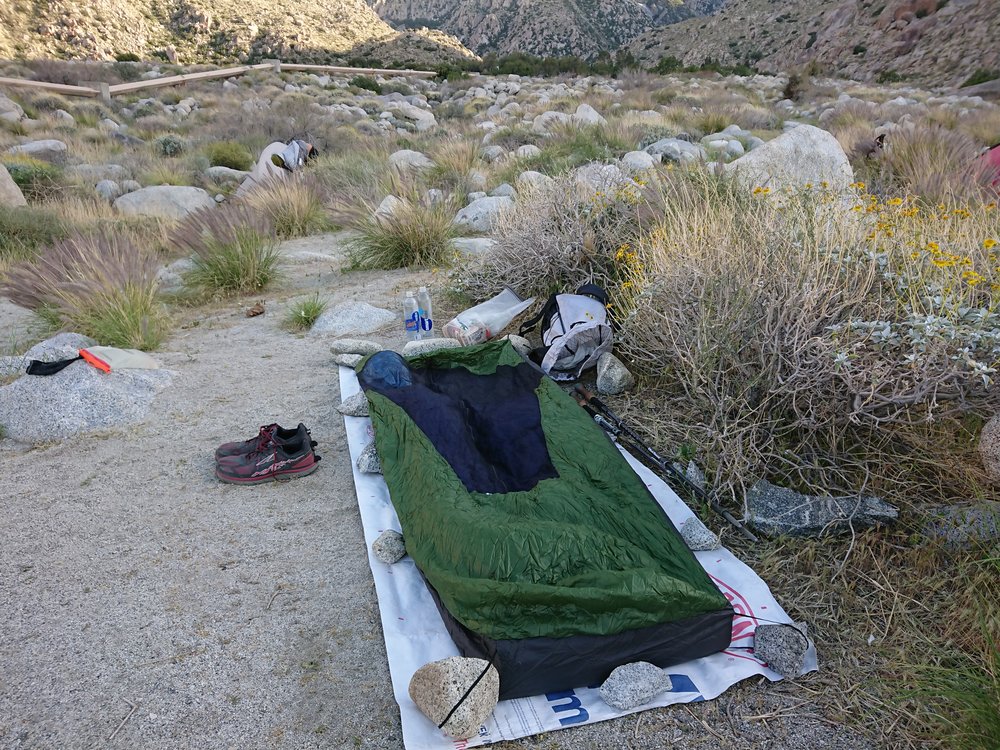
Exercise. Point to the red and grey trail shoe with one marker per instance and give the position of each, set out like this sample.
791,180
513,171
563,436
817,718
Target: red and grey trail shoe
268,435
292,459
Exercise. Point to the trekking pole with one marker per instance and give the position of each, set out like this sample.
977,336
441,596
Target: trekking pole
618,429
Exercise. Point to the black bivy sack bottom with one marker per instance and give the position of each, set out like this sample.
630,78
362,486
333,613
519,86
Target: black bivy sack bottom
535,666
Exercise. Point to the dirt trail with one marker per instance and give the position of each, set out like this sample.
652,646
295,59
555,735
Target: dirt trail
143,604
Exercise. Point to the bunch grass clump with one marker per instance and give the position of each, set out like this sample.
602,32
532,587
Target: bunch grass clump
417,232
360,172
304,312
932,162
99,284
294,207
234,250
453,160
25,230
571,146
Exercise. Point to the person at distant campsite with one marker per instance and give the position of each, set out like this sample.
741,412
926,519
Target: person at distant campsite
276,162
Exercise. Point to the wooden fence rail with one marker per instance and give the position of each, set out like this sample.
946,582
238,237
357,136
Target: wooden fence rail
105,91
56,88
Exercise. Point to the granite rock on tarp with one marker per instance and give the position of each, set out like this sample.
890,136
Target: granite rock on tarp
633,685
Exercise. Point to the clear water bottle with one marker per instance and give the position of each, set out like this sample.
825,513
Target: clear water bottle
411,317
426,315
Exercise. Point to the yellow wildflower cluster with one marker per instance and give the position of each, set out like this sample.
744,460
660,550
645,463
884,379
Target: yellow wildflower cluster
935,249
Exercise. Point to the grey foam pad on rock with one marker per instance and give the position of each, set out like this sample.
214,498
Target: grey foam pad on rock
347,360
389,547
783,647
437,688
697,536
635,684
368,461
778,510
355,346
355,406
76,400
423,346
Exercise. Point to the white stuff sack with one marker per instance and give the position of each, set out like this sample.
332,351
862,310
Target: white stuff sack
486,320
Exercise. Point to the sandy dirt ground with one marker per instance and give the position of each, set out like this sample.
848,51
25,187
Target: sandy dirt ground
144,604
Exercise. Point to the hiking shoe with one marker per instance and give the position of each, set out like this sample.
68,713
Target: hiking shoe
292,459
268,434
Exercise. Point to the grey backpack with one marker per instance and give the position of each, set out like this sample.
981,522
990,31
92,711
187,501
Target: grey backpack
575,332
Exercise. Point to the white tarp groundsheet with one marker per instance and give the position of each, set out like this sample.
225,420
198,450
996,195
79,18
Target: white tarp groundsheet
416,635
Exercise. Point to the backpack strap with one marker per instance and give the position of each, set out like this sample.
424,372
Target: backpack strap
546,312
597,292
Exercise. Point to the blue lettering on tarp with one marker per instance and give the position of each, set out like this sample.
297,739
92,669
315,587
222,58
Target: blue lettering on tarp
574,704
681,683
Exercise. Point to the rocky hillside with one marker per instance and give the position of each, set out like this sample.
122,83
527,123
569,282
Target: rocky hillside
213,31
548,28
939,42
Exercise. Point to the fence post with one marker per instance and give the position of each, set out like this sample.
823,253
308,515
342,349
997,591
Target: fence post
103,89
275,63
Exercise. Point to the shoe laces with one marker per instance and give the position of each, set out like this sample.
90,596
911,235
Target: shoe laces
266,436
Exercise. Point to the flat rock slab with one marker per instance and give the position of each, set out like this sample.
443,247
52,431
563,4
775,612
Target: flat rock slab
353,318
778,510
355,346
76,400
424,346
61,346
164,201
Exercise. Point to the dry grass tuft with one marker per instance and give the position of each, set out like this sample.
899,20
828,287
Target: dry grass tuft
932,162
99,284
556,239
294,207
417,233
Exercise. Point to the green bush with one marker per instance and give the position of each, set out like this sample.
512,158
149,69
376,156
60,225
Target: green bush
170,145
888,76
397,87
981,76
23,231
571,147
668,64
127,57
366,82
229,154
234,250
37,179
